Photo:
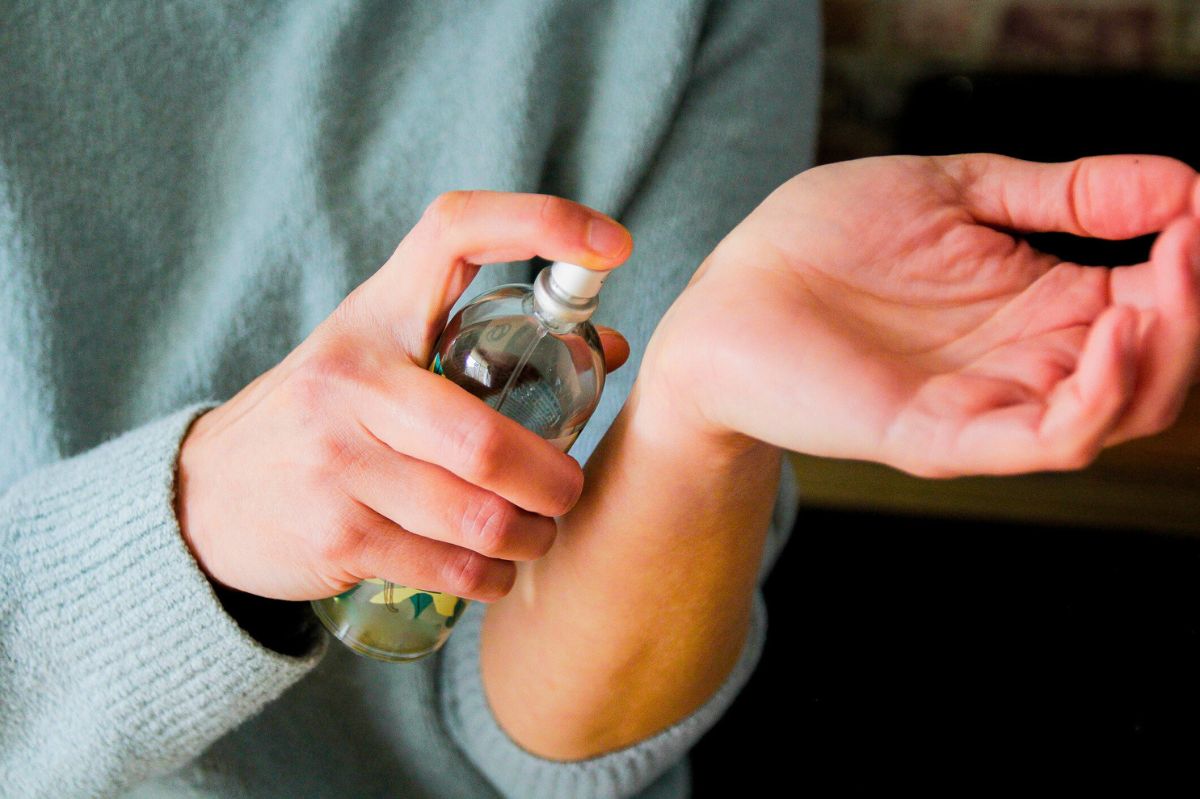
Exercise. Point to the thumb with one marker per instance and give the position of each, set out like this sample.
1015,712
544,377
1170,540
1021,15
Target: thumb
413,292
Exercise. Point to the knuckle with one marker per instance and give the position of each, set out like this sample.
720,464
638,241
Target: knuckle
555,212
306,394
480,449
333,365
489,525
334,453
322,375
341,540
446,211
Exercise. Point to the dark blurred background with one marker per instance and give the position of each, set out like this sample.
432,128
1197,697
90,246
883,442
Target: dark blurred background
988,632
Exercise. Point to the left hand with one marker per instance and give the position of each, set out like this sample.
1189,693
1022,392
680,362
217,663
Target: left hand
880,310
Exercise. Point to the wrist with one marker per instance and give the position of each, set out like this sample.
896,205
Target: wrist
664,412
683,388
184,471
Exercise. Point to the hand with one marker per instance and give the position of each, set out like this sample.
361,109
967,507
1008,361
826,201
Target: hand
880,310
351,460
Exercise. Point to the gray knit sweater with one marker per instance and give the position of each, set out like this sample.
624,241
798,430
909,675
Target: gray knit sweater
186,190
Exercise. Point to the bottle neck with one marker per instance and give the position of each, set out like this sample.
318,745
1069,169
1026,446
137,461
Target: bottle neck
558,311
555,326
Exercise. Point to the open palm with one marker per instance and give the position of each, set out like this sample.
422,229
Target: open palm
883,309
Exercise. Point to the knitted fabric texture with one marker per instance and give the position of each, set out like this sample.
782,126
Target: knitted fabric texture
186,191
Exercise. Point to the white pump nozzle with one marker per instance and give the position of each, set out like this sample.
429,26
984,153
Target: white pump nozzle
576,281
567,293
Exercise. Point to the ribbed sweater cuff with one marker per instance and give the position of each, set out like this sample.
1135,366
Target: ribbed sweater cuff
113,612
516,772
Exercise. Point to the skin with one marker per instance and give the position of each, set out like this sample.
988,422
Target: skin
351,460
872,309
958,349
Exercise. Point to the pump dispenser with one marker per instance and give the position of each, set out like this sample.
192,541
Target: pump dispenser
565,293
530,353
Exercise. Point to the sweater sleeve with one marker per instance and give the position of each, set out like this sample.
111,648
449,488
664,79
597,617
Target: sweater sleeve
117,660
746,123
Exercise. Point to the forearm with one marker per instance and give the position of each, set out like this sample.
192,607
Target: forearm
639,612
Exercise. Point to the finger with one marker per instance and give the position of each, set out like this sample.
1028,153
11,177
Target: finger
1107,197
616,348
1170,348
1068,430
1145,286
1084,408
392,553
427,417
1038,363
430,501
460,230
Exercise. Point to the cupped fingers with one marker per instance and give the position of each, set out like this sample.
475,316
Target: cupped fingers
428,500
1083,410
1169,348
378,548
1064,431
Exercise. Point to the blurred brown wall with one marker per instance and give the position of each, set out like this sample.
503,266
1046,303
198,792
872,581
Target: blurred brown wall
876,49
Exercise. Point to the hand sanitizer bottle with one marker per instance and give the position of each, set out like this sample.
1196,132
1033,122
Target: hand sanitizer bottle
529,352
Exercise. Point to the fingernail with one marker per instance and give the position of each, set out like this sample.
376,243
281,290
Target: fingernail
607,238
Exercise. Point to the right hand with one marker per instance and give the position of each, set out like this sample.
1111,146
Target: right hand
350,460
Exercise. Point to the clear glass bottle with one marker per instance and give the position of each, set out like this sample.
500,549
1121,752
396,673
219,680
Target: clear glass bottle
529,352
